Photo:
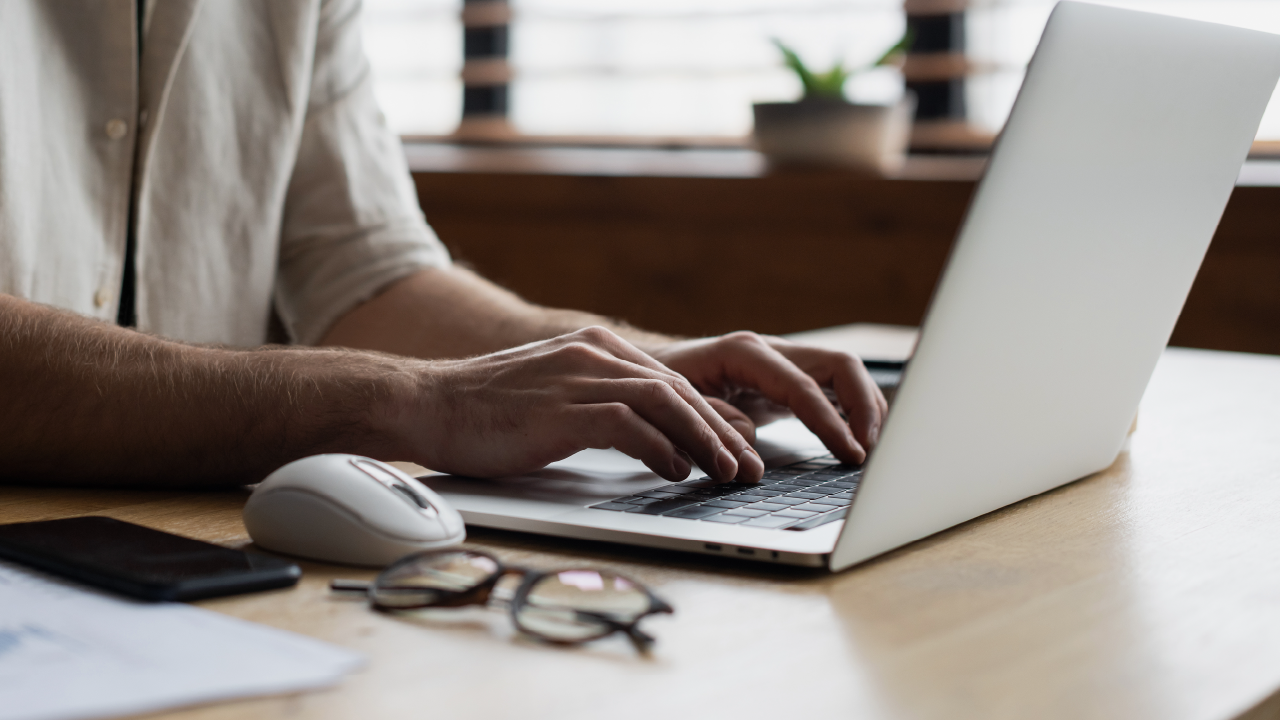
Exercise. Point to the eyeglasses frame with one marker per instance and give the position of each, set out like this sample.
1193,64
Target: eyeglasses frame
482,593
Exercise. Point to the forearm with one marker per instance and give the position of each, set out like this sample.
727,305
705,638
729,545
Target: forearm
449,313
90,403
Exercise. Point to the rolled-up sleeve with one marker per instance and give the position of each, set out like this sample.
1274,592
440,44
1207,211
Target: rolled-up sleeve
352,224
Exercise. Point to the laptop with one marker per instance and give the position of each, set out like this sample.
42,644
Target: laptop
1062,289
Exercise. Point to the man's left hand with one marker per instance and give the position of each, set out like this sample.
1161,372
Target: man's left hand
753,379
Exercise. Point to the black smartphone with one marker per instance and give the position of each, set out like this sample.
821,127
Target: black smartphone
141,562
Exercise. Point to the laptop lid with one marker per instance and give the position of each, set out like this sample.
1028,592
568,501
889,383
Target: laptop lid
1069,272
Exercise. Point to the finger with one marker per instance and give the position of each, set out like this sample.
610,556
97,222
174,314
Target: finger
618,347
855,389
604,354
615,425
736,418
758,365
665,408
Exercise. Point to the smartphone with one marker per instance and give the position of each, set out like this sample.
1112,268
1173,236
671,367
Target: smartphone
141,562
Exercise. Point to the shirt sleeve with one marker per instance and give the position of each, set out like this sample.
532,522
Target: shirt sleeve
351,225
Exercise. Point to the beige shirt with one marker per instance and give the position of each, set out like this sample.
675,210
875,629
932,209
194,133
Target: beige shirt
264,173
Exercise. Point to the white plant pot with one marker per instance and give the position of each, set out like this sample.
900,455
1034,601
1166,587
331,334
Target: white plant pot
871,138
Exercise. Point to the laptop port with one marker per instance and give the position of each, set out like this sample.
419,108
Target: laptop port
747,551
713,546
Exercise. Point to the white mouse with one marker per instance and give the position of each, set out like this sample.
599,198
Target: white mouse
349,509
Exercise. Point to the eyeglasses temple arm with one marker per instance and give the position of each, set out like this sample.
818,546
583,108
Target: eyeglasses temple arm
351,586
640,639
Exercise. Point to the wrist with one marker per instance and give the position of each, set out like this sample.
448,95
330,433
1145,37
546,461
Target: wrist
395,409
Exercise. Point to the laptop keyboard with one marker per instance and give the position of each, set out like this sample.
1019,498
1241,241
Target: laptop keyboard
800,496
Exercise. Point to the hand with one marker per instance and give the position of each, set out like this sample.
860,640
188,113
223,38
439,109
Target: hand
757,378
518,410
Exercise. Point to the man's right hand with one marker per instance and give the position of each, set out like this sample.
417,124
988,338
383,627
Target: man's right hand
88,403
517,410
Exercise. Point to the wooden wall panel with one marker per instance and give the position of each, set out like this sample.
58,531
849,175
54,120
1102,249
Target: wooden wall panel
784,252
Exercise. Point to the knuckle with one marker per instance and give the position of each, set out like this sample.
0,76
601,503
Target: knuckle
744,338
615,414
681,386
657,391
596,334
578,353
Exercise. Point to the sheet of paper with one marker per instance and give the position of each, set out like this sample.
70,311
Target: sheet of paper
67,651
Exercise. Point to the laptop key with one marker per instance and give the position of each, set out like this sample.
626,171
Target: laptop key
771,521
811,507
820,520
748,497
794,513
844,484
726,504
694,512
838,502
720,490
678,489
641,500
768,506
787,500
660,494
806,495
746,512
623,507
660,508
724,518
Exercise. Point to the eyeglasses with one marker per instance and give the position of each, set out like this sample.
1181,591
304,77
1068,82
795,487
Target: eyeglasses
564,607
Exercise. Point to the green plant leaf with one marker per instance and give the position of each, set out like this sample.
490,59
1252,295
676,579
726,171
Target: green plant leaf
816,85
831,83
796,65
900,47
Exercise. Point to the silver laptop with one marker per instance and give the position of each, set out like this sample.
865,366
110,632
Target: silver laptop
1068,275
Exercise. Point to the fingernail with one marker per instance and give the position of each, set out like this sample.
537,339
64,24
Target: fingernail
873,437
725,463
750,466
681,467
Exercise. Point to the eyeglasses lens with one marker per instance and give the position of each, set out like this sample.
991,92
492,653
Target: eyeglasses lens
423,581
577,605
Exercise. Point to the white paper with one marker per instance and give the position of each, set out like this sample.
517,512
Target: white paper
71,652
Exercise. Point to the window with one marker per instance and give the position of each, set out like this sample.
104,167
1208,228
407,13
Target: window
1004,34
692,68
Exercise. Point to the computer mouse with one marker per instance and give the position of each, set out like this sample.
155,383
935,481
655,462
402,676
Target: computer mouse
349,509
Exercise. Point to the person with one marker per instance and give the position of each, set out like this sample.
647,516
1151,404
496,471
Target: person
180,185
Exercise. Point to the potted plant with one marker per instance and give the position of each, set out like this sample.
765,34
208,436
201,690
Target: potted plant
823,128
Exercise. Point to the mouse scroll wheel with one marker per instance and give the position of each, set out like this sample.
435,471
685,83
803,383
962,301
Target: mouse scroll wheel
414,497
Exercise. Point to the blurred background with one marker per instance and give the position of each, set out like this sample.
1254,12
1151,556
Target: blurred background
692,68
597,154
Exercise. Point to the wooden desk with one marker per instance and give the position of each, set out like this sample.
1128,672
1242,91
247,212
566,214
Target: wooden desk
1151,590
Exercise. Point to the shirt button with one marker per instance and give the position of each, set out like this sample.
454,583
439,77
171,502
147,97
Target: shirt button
101,297
117,128
142,118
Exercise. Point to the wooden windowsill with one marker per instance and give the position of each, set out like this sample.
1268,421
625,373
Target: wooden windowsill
434,157
709,162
